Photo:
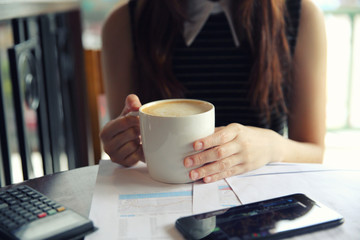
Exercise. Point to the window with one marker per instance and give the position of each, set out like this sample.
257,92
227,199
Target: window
342,19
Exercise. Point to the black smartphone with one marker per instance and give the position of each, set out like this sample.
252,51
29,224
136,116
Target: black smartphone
270,219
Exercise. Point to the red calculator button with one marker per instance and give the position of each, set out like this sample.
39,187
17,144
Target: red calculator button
41,215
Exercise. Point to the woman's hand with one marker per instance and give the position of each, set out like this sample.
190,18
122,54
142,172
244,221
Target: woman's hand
121,136
232,150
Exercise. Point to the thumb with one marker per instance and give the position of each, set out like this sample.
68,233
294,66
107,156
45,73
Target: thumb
132,103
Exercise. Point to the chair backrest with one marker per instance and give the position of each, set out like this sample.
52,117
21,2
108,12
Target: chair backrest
44,115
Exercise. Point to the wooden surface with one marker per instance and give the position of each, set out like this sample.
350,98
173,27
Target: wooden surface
95,88
16,9
73,188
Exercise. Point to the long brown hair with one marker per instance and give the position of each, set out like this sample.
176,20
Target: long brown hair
159,22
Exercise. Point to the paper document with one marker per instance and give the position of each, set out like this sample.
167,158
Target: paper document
126,199
128,204
210,196
279,168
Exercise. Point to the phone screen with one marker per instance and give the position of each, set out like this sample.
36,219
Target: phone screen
274,218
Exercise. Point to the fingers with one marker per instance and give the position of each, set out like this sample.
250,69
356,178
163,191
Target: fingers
218,167
121,140
212,154
221,136
222,157
130,159
219,146
132,103
125,148
235,170
118,125
125,139
121,136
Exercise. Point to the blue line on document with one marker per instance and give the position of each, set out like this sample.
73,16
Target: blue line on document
224,187
155,195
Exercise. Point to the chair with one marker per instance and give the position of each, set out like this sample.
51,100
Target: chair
95,96
44,115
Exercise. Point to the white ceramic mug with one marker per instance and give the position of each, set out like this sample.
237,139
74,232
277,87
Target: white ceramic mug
168,134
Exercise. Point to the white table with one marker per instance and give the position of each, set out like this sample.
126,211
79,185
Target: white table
337,188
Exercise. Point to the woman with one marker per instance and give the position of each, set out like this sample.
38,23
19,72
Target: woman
261,63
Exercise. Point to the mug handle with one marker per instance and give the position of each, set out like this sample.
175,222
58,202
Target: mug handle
134,114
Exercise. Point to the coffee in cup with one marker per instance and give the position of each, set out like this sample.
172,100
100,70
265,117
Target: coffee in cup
177,108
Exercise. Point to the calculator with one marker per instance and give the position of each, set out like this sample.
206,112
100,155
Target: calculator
27,214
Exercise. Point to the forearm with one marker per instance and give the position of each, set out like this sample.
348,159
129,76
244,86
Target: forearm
298,152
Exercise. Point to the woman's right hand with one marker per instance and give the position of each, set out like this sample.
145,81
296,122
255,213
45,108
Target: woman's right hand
121,136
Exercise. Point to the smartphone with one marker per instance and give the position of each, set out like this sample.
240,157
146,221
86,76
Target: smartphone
270,219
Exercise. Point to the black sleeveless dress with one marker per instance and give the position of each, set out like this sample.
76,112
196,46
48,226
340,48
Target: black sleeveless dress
215,70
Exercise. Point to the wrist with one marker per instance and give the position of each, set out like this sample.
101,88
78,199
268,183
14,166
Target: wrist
279,147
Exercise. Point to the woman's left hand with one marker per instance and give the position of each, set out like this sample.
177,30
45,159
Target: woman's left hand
233,150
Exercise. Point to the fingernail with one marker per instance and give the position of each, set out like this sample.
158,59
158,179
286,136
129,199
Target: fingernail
194,175
207,179
198,146
188,162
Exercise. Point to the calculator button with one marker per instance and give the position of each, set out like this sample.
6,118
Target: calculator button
31,218
3,206
46,209
10,225
24,199
56,206
41,206
27,214
41,215
51,212
37,211
21,221
37,203
31,209
60,209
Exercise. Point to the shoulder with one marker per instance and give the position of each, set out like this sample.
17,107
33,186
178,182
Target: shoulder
310,12
312,24
116,24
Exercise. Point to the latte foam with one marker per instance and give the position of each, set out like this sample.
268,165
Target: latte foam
177,108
